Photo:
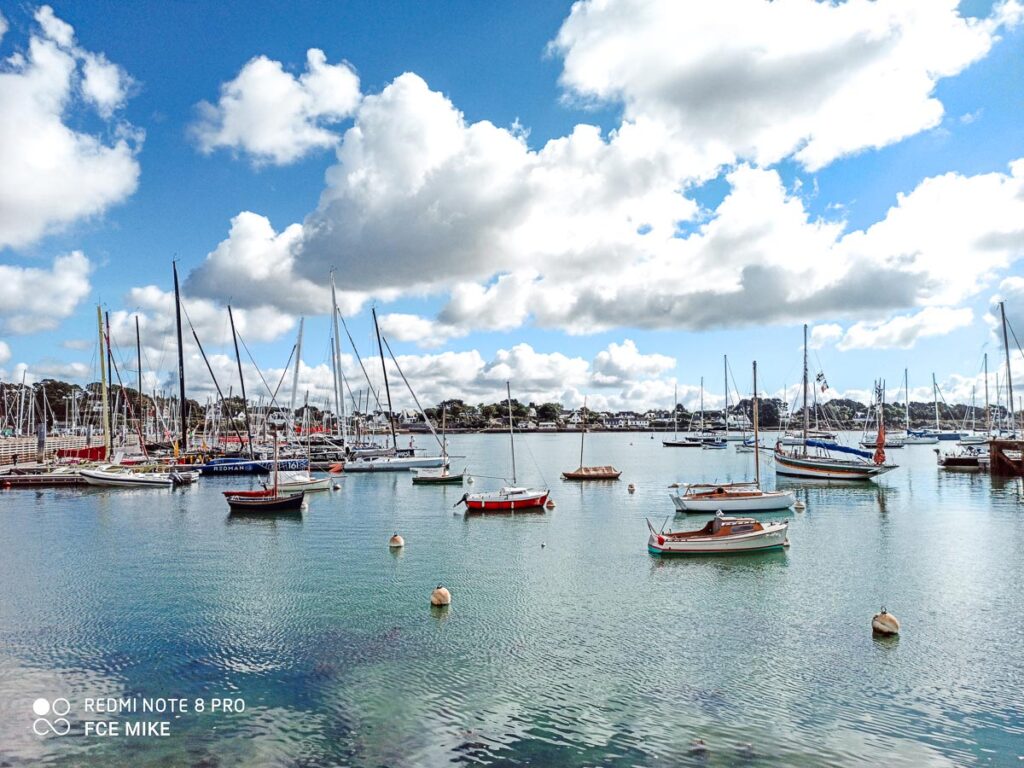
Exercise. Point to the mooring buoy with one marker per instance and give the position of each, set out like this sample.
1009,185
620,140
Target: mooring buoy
885,623
631,488
396,542
550,504
799,506
440,596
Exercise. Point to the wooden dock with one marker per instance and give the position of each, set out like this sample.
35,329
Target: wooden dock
1007,458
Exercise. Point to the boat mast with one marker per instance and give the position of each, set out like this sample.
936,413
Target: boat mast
181,361
295,376
806,414
584,429
1009,374
906,407
245,403
988,420
103,386
702,405
725,410
340,404
138,360
757,445
675,412
387,387
935,397
511,432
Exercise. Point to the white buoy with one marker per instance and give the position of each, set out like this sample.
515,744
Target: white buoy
631,488
885,623
550,504
469,480
799,506
440,596
542,545
396,542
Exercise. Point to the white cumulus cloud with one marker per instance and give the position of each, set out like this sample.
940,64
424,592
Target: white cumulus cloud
276,117
903,331
53,174
763,81
34,299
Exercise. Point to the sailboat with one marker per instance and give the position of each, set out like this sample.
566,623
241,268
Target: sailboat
821,465
394,461
676,441
439,476
590,473
266,500
914,438
735,497
511,497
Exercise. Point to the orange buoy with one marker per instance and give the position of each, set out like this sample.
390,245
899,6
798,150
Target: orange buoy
440,596
396,542
885,623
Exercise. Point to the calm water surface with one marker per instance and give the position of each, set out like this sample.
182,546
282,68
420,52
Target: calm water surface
566,643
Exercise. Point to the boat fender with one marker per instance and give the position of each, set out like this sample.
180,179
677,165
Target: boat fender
661,539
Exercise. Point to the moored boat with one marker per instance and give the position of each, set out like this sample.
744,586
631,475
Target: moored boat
590,473
730,497
720,536
511,497
111,476
303,481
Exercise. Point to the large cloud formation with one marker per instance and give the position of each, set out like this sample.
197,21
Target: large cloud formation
594,231
52,174
275,117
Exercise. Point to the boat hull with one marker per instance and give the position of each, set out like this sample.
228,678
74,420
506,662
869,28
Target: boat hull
771,538
766,501
394,463
431,479
498,502
266,504
592,473
827,469
119,480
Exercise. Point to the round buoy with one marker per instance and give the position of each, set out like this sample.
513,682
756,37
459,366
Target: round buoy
550,504
885,623
396,542
542,545
799,506
335,487
469,480
631,488
440,596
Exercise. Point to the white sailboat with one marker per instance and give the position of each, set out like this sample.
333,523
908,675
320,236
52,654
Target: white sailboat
821,465
676,441
734,497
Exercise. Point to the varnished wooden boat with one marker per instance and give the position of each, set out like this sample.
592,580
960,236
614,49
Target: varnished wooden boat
593,473
723,535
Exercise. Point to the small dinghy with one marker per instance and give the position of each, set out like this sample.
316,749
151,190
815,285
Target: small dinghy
589,473
721,536
437,477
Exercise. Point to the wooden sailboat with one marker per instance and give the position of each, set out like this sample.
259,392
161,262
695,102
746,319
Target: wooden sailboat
821,465
266,500
440,476
734,497
720,536
590,473
511,497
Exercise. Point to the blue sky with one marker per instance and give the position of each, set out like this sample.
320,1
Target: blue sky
781,144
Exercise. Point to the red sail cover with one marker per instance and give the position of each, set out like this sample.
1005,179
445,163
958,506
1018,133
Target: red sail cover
880,444
96,453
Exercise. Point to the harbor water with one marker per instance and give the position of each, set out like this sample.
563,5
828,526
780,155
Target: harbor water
566,643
